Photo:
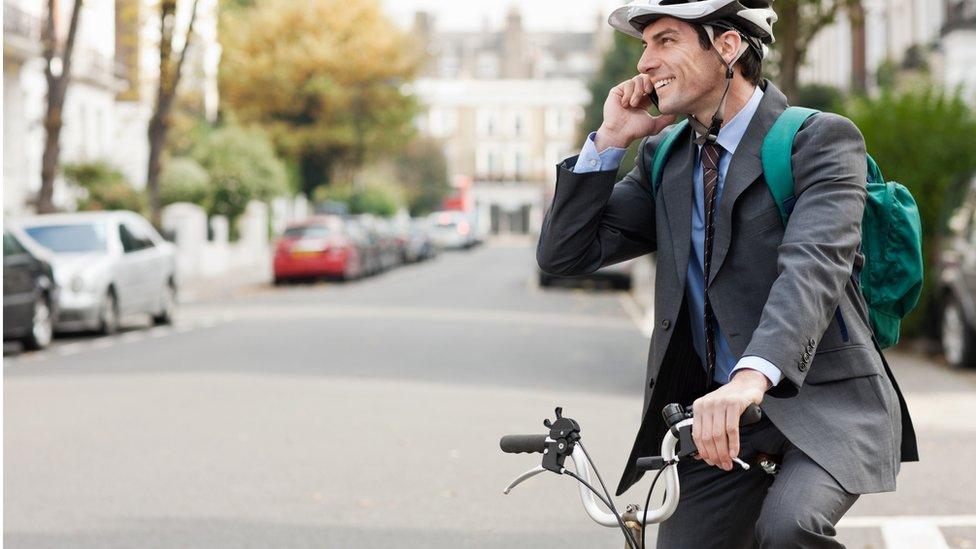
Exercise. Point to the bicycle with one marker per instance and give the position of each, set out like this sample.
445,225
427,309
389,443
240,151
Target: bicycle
563,440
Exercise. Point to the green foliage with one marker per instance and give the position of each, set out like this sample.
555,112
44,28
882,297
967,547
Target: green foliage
619,64
421,169
242,166
820,97
926,140
105,188
184,180
379,198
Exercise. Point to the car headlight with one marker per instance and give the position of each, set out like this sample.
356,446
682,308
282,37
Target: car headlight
77,284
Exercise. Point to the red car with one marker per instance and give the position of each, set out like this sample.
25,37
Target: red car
317,247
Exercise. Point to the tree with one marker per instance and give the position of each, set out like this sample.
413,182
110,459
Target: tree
170,67
242,166
323,76
936,169
104,188
57,73
799,23
421,170
619,63
184,180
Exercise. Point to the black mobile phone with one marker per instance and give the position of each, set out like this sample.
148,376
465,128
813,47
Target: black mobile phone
653,96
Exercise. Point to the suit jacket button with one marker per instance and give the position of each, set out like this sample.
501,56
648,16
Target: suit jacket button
803,366
665,324
813,342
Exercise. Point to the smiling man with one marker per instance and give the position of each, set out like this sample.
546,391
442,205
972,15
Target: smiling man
747,310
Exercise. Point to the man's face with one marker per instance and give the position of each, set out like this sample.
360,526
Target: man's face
687,77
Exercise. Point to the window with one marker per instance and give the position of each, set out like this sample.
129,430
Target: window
11,246
79,237
134,237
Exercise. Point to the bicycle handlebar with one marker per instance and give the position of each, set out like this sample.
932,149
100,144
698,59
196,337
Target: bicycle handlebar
518,444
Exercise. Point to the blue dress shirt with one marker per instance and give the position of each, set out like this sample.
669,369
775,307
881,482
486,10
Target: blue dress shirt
591,160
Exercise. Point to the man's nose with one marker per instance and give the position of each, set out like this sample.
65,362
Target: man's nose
648,62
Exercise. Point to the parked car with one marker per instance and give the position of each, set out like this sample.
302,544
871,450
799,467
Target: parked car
107,264
30,296
618,275
420,245
451,230
957,286
321,246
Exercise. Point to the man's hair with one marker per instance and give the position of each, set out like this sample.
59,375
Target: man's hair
749,64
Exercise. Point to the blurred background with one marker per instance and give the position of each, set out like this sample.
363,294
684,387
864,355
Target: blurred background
269,273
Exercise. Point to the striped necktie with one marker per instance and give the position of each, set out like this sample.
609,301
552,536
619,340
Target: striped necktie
710,153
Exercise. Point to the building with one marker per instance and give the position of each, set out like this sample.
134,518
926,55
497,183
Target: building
506,104
110,97
848,56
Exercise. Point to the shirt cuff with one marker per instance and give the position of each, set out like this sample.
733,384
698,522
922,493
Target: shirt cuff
761,365
592,161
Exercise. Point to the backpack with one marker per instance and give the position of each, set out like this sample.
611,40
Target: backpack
890,279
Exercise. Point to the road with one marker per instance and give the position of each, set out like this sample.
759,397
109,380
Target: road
368,415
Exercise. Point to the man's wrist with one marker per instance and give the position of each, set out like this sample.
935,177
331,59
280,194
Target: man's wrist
606,137
753,378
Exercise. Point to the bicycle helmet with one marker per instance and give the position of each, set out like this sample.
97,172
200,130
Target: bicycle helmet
752,19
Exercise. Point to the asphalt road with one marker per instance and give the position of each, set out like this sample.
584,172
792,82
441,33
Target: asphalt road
368,415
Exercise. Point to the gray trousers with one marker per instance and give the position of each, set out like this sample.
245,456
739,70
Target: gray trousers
747,509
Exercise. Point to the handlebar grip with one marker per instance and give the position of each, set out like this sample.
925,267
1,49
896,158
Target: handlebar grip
518,444
752,414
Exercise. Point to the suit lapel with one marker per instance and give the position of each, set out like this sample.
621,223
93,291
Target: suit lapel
676,189
744,169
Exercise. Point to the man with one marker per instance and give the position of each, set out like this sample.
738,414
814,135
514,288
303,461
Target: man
747,310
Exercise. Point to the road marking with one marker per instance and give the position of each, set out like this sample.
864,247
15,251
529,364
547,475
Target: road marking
910,532
70,349
293,312
643,321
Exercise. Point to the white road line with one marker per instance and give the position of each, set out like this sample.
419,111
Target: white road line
131,337
910,532
881,521
643,321
70,349
160,331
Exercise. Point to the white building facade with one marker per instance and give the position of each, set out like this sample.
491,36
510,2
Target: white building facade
103,120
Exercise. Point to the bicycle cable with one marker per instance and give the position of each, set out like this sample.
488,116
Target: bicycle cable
647,501
630,539
609,500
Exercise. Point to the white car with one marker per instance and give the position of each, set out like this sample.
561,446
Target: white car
451,230
108,265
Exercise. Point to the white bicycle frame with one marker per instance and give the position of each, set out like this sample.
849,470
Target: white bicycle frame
593,506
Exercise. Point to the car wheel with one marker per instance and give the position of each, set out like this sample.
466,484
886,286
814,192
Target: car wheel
108,314
958,338
167,306
42,325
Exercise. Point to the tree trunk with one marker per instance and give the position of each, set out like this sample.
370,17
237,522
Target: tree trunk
169,78
788,35
859,76
57,87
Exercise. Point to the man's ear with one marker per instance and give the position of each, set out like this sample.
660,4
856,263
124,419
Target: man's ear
729,43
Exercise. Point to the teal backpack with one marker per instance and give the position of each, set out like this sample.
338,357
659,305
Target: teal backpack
891,230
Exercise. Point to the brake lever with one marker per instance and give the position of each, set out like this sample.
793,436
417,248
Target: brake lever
523,477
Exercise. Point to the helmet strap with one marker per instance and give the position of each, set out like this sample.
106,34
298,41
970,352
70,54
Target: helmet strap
710,133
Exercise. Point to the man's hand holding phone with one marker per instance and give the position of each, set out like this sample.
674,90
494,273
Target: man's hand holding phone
625,116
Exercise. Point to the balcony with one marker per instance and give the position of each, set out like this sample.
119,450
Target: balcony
21,34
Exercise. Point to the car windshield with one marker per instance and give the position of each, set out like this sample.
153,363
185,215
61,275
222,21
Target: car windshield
78,237
312,231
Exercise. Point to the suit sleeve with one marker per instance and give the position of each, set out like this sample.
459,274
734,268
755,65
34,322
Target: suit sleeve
816,256
595,220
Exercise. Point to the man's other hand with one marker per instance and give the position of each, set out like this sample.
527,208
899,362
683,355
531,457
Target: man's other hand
625,116
716,424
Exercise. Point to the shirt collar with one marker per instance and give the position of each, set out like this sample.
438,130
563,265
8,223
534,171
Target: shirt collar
732,131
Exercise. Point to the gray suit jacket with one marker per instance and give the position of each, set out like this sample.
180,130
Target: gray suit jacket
784,294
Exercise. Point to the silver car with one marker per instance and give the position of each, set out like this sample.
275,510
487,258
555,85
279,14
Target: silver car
108,265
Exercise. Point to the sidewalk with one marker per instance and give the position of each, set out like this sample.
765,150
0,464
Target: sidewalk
224,286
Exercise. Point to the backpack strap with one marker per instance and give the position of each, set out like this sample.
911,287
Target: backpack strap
661,155
777,157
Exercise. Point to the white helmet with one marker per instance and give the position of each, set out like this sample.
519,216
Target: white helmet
752,18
